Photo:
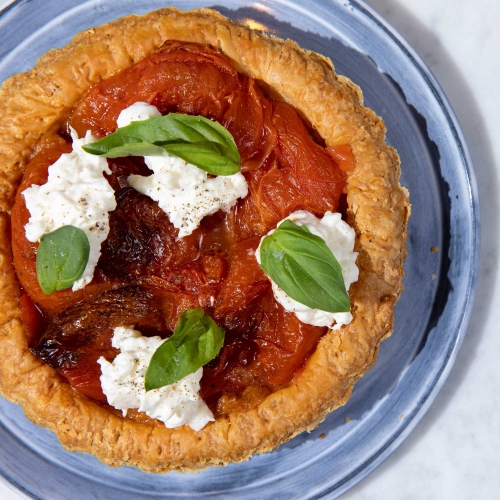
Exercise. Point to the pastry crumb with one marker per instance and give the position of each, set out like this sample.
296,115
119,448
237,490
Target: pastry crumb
347,420
434,249
323,435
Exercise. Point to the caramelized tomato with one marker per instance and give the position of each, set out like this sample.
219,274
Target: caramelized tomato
181,78
32,318
214,267
78,337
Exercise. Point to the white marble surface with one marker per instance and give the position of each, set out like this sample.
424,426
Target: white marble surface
454,452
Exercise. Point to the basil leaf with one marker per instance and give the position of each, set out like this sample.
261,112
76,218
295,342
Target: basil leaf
61,258
204,157
303,266
195,139
135,149
212,132
151,130
196,340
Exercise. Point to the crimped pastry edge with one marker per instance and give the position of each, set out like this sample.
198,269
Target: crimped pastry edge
32,103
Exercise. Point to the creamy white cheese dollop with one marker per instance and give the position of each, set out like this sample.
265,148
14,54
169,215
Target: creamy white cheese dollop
76,193
339,237
183,191
122,382
136,112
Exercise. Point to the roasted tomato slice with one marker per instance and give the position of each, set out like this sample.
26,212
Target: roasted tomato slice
78,337
264,350
181,78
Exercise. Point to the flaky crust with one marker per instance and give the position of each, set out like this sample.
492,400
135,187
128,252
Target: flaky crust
33,103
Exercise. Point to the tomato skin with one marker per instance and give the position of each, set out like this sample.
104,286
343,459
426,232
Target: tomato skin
249,119
215,267
316,173
79,336
343,156
181,78
33,319
284,343
142,241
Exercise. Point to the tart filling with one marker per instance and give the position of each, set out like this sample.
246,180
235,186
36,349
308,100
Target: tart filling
123,379
200,243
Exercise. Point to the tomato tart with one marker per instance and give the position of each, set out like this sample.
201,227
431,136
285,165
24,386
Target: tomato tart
306,148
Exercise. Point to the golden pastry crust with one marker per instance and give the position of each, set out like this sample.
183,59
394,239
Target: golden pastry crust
33,103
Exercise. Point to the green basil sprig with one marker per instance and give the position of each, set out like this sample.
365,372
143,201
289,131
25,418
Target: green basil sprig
61,258
196,340
303,266
195,139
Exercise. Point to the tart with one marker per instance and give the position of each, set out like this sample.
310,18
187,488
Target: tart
35,105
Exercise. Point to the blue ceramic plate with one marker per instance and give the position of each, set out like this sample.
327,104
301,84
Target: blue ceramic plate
431,316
